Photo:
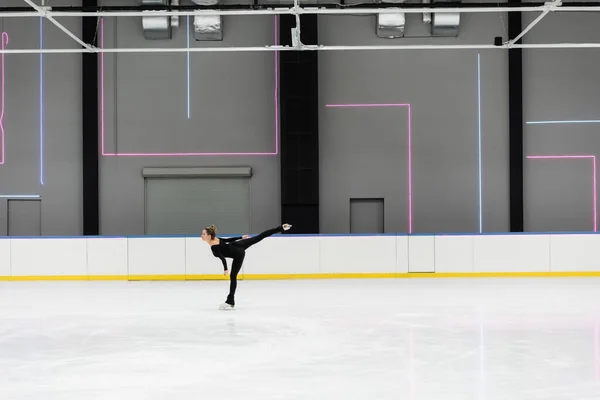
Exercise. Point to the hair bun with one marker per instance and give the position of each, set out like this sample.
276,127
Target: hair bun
213,228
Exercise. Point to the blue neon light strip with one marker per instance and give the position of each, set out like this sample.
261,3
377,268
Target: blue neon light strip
41,102
479,139
188,67
575,121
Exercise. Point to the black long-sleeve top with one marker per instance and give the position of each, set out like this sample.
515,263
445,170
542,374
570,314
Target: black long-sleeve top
223,249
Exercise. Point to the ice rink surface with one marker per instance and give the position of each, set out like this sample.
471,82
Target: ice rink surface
412,339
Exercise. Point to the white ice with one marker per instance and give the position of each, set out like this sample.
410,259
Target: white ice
412,339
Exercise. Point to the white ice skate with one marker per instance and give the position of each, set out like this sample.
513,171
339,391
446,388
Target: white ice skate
226,307
286,226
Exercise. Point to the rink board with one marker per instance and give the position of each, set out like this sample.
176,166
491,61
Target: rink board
303,257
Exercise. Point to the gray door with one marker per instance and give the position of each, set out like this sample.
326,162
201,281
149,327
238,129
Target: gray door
186,205
24,217
366,216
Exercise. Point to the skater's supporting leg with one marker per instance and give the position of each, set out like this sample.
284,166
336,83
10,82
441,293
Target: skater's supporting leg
236,266
245,243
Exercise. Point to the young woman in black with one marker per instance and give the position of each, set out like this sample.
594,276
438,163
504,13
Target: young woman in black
234,248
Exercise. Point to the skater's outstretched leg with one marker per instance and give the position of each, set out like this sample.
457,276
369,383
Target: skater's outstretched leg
245,243
238,250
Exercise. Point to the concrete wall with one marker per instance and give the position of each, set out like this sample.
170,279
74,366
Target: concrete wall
457,100
232,110
561,86
42,124
364,151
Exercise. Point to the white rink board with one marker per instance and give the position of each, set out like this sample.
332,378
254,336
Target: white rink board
575,253
302,255
107,256
512,253
277,255
421,254
48,257
199,260
402,254
454,254
156,256
5,257
358,254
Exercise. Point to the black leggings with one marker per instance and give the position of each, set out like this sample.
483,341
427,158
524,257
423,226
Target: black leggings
238,249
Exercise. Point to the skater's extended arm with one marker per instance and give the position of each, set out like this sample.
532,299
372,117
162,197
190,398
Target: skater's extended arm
231,239
224,263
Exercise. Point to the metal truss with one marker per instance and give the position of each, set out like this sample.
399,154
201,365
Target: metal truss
278,9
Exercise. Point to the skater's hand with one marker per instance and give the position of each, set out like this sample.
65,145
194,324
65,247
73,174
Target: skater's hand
245,236
225,272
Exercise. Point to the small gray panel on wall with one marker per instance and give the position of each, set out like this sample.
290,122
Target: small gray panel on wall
559,195
185,205
366,216
24,217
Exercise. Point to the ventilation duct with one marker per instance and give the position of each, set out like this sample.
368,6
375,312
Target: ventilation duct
208,27
445,24
156,28
391,26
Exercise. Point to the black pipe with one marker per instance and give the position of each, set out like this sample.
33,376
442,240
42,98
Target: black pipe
89,127
266,6
515,134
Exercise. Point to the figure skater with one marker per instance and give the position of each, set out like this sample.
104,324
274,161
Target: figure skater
234,248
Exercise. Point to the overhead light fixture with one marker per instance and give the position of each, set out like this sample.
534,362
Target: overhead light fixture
391,26
156,27
445,24
208,27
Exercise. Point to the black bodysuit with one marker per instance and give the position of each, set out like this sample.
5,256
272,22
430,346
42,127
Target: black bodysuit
223,249
236,249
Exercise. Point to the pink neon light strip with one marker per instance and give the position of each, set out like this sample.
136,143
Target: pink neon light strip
374,105
587,157
4,44
276,101
102,130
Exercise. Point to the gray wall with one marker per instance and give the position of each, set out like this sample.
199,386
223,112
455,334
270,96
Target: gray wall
561,85
21,173
363,151
232,110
